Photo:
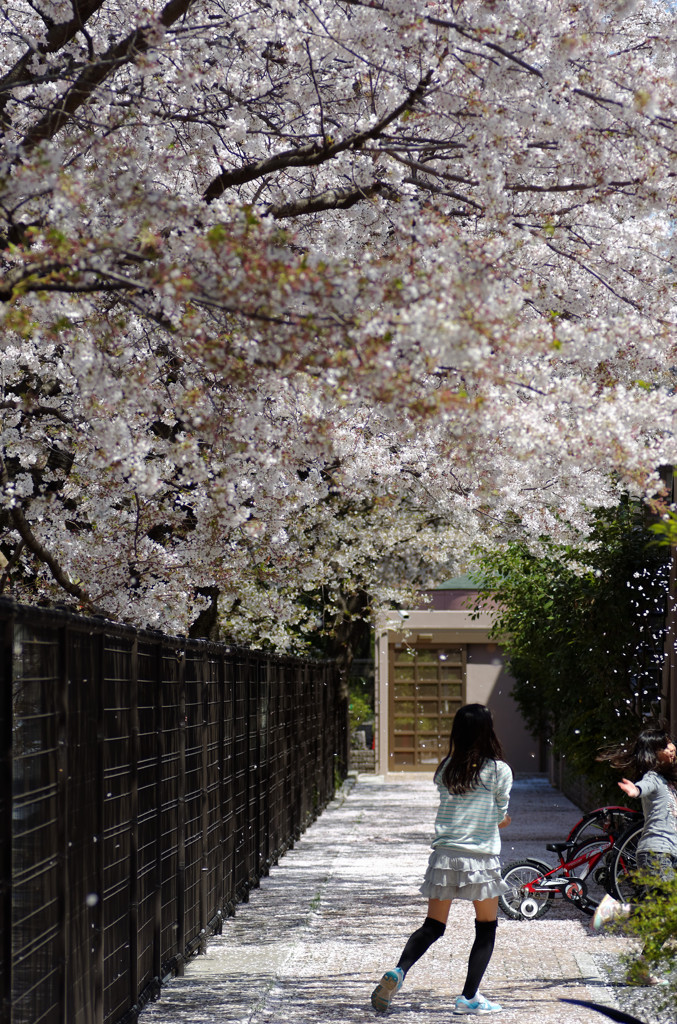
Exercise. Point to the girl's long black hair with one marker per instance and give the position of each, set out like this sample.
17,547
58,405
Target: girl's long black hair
472,742
638,757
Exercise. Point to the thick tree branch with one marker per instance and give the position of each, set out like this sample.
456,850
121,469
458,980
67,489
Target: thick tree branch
332,199
9,565
42,553
36,410
83,88
57,36
45,278
314,154
581,186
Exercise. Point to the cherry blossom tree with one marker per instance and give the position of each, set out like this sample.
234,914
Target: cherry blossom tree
314,297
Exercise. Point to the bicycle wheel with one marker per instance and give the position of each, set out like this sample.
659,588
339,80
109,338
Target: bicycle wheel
622,864
518,903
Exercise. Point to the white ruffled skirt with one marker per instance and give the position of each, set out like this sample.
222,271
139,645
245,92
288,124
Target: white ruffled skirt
451,876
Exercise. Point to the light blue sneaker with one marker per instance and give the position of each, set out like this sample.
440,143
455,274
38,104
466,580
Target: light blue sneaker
609,911
478,1004
390,983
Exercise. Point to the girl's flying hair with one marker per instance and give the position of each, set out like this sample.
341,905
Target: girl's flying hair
640,756
472,742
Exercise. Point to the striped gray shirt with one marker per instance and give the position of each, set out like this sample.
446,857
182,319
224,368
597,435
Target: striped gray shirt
468,822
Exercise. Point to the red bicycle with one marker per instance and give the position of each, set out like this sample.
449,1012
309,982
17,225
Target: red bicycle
582,876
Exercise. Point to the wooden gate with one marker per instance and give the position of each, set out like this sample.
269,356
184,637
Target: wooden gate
427,686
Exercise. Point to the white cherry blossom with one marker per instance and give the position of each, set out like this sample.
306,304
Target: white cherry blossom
322,294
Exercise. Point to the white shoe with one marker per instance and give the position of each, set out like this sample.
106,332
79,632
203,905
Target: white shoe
478,1004
609,910
390,983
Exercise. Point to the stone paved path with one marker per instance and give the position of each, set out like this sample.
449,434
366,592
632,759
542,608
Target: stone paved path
315,938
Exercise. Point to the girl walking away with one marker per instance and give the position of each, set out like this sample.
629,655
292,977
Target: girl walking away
474,784
650,760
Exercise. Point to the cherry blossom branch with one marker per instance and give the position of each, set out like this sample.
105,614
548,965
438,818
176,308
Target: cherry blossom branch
581,186
36,410
40,551
36,279
80,92
332,199
9,565
593,273
476,37
476,210
58,34
314,153
417,165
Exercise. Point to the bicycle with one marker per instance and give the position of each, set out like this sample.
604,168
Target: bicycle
582,875
622,864
611,819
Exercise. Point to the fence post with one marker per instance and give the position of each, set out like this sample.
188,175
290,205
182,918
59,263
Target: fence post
181,824
221,716
228,826
255,769
62,801
6,718
134,824
98,941
159,755
204,807
263,852
290,738
251,770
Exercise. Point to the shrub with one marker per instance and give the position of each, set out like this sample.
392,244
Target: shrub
654,923
583,628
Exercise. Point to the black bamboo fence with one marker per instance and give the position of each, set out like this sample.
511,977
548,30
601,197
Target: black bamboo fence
148,783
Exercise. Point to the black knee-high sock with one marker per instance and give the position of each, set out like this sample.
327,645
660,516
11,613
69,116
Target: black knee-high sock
480,955
420,941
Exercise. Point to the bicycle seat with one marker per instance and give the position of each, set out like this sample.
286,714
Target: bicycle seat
557,847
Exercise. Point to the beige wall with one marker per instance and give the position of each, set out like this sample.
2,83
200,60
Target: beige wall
490,684
487,681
